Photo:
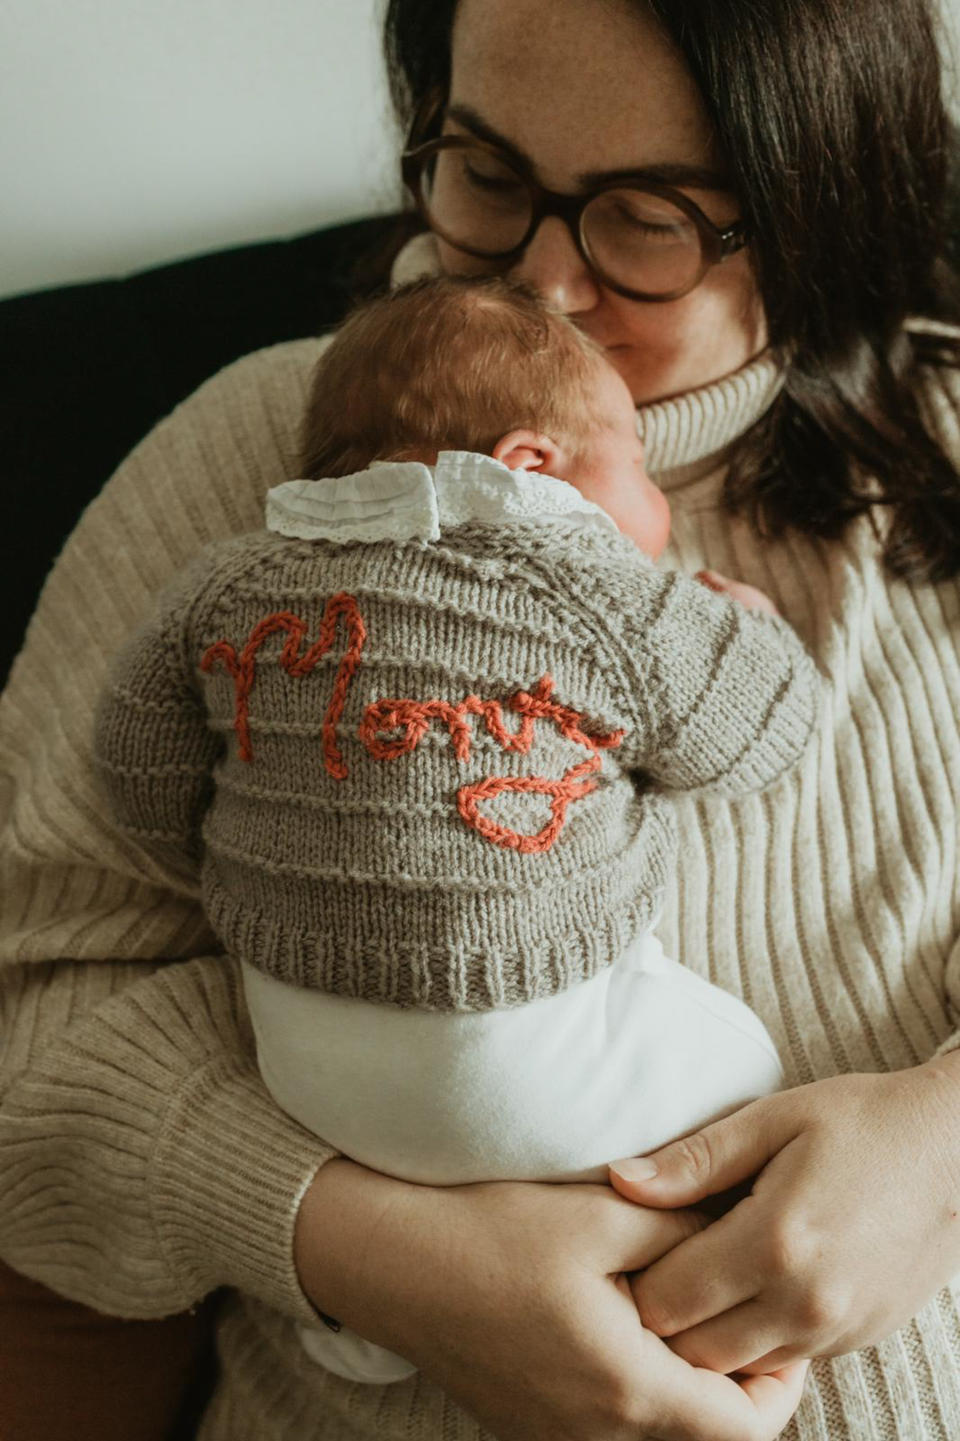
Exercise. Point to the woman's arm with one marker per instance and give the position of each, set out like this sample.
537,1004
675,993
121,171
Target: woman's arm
141,1161
144,1163
852,1222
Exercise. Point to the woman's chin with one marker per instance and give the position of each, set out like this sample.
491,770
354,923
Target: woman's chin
648,382
652,378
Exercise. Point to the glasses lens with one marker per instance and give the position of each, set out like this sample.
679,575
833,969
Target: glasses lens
475,199
642,241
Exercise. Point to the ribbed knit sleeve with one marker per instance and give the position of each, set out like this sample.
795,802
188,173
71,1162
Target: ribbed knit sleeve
152,747
722,696
733,691
939,397
142,1162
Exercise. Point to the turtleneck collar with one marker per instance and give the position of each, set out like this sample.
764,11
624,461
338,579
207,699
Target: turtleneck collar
690,435
686,436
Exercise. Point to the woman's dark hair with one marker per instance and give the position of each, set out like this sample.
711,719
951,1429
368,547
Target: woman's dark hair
831,116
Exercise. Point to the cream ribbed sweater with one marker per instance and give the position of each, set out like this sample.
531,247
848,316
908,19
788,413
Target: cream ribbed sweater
141,1161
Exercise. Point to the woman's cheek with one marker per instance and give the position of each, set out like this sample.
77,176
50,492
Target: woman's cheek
455,262
668,349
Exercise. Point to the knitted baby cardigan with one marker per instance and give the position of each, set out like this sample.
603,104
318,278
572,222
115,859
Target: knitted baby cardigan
426,751
142,1162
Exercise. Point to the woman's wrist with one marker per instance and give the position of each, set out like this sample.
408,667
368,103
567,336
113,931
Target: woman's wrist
347,1212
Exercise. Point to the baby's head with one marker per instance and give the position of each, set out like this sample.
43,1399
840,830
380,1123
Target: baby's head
481,365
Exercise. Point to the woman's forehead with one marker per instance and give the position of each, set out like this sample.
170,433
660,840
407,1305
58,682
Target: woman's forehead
579,86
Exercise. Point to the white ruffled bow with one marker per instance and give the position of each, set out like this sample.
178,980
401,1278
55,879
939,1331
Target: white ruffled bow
404,500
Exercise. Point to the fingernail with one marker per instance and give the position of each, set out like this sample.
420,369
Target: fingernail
637,1168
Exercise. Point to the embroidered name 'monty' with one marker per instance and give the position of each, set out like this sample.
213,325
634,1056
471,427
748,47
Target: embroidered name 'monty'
412,718
569,788
242,668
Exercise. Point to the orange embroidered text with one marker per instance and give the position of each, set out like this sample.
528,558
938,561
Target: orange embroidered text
242,668
570,788
412,719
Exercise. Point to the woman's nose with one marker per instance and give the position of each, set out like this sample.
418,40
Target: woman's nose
554,267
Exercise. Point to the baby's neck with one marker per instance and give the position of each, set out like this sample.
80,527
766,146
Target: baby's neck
424,455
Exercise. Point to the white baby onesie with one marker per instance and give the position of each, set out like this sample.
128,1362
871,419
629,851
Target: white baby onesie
548,1091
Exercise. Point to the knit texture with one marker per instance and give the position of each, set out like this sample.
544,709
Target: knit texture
142,1161
425,755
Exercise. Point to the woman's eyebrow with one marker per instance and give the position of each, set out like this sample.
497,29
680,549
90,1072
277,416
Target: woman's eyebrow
699,177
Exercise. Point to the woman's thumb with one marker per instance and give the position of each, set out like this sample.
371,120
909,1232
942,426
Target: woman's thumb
707,1161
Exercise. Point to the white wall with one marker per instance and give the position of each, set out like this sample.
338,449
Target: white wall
137,131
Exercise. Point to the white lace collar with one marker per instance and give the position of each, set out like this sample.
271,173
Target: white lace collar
404,500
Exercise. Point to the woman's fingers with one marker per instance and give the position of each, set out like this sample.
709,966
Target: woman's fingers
711,1272
484,1286
710,1160
778,1395
642,1236
772,1361
733,1341
699,1405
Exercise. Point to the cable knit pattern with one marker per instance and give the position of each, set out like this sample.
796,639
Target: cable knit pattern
830,904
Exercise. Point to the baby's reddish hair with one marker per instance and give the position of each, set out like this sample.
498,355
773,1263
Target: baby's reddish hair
447,364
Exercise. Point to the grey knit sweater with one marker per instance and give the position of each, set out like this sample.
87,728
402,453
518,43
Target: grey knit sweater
439,767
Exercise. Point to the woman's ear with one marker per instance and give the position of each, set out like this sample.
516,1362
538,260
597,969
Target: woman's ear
527,450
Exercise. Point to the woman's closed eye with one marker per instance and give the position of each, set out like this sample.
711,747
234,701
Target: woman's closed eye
675,230
499,183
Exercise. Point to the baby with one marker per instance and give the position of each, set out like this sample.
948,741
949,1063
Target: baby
429,720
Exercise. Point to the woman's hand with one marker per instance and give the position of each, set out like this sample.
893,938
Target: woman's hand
851,1225
511,1296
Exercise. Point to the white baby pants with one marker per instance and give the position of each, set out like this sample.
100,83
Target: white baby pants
549,1091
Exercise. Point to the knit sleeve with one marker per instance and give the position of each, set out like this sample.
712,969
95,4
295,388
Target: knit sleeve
952,982
730,693
153,749
142,1161
144,1164
939,398
718,695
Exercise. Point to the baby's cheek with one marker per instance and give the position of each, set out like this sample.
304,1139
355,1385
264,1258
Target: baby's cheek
648,522
659,522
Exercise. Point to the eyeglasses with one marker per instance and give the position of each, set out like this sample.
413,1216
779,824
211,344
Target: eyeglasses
639,238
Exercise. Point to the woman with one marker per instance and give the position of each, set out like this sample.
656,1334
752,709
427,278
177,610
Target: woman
143,1165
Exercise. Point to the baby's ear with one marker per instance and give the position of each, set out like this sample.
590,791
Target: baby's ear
527,450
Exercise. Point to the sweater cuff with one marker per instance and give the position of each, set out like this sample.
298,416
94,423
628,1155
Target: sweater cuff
227,1191
947,1047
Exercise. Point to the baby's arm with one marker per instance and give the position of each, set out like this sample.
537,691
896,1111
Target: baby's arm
153,749
730,692
716,693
